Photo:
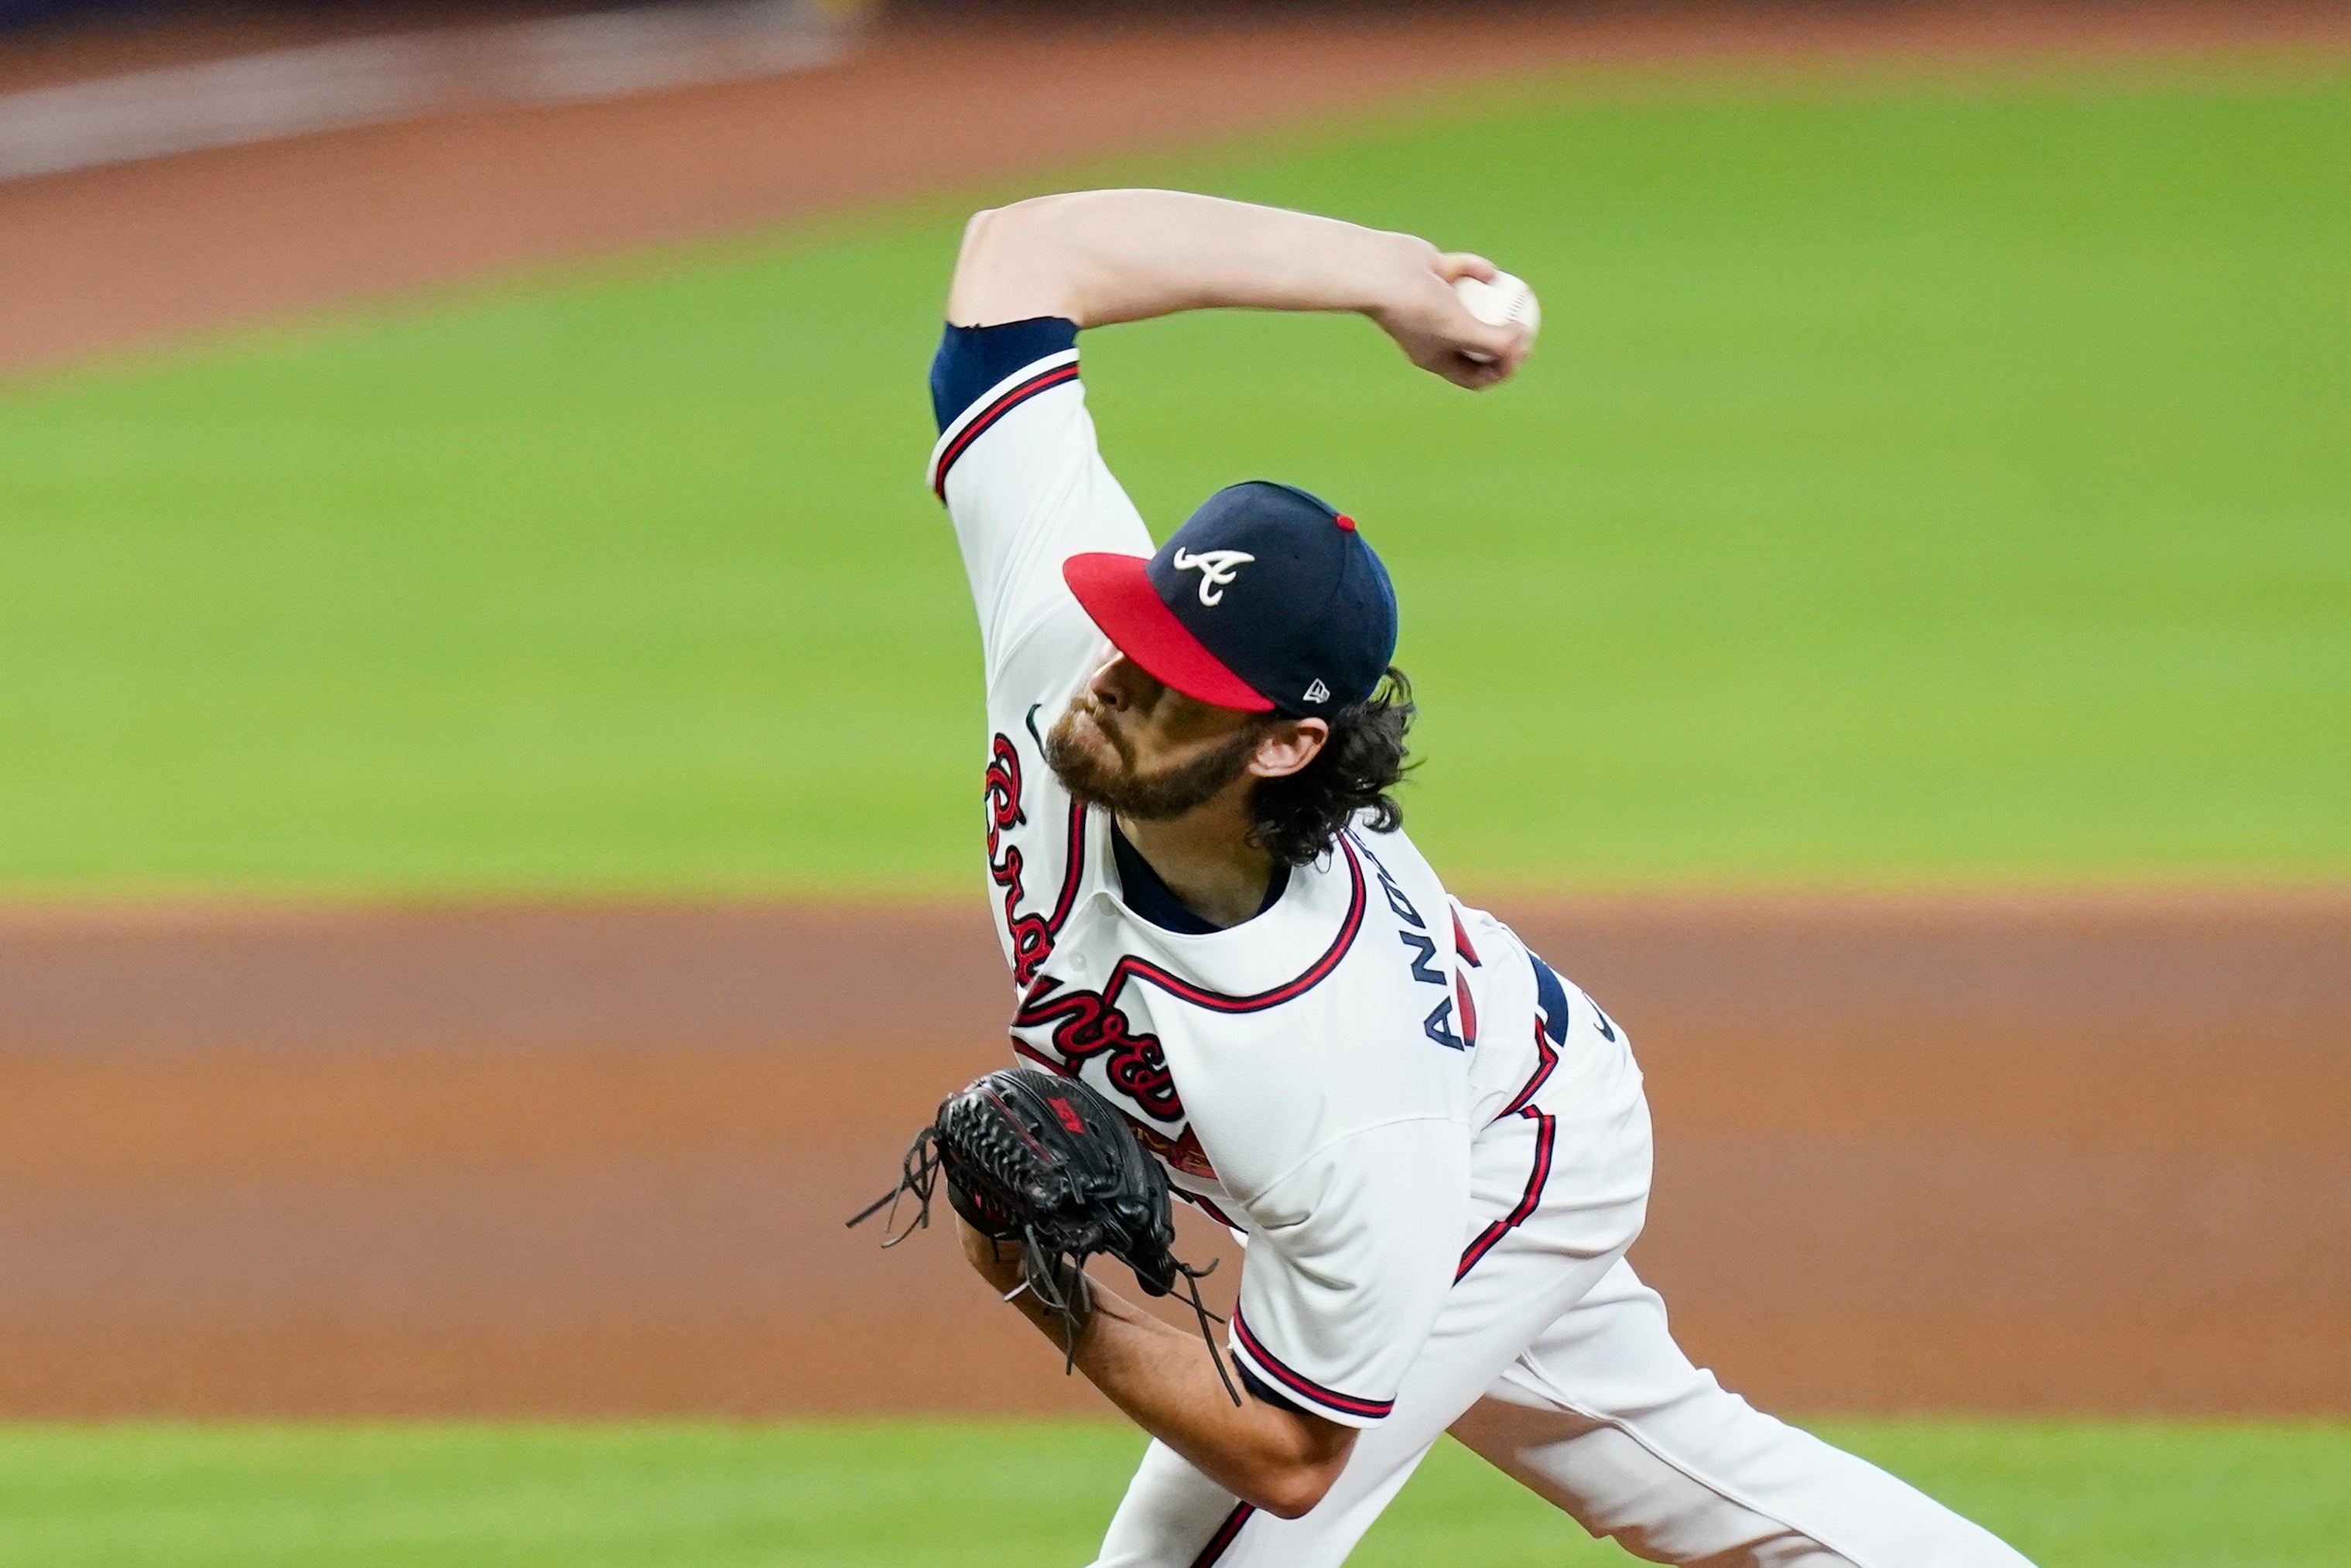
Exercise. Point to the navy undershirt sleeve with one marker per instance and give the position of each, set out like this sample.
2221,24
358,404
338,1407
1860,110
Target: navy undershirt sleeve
972,359
1257,1386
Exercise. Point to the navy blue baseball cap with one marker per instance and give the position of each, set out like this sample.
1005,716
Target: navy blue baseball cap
1267,599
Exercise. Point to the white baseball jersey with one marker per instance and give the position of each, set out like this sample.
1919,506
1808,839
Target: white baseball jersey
1437,1150
1313,1077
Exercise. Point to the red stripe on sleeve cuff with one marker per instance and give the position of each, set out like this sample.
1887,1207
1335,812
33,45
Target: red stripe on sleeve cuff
1348,1407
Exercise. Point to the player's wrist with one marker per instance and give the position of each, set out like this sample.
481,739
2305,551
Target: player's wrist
998,1262
1395,270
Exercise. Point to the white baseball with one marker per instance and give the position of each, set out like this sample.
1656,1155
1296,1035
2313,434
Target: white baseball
1506,301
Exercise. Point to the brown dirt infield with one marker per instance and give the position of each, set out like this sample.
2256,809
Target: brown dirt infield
2079,1153
149,251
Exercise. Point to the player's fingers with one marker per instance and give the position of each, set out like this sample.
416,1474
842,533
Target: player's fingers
1498,368
1474,374
1456,265
1496,340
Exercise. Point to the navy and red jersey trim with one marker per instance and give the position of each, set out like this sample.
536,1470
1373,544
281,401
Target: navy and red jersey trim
1087,1024
1205,1207
1132,968
1073,870
1546,1136
1547,1058
972,362
1044,377
1461,943
1304,1388
1551,1002
1551,1033
1222,1542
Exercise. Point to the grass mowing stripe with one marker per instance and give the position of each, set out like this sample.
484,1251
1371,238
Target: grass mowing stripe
1940,480
870,1494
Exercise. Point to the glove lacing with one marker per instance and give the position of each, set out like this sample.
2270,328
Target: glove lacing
918,1178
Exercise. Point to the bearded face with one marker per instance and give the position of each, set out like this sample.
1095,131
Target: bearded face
1097,761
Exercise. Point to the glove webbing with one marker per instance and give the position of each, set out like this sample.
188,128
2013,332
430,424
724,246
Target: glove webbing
919,1176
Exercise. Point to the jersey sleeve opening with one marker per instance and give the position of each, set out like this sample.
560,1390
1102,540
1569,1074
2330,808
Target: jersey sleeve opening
971,360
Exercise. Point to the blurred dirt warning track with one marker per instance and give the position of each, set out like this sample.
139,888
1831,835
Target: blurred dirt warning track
2052,1153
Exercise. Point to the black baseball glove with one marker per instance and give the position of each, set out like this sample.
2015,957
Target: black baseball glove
1045,1161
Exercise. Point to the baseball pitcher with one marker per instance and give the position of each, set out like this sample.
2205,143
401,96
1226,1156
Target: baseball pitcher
1434,1147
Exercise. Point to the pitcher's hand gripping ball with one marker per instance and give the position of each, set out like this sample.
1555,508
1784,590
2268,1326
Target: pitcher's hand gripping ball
1044,1161
1506,301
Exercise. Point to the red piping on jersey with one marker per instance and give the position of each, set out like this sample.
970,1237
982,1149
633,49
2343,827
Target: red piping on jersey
1546,1133
1070,873
1221,1543
1304,1386
1461,943
1003,405
1549,1055
1205,1207
1130,966
1096,1025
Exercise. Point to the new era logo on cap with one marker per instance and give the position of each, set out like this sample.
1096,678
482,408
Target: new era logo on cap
1314,613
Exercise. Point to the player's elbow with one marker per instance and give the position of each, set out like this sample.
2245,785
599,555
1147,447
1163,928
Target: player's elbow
982,239
983,234
1001,245
1292,1490
1013,265
1288,1482
1294,1498
992,232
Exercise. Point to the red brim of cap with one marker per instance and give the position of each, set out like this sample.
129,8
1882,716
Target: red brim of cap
1117,593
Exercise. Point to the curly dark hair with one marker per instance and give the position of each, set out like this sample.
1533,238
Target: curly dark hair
1299,817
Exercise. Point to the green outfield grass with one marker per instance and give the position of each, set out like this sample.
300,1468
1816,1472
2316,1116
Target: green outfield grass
875,1494
1923,479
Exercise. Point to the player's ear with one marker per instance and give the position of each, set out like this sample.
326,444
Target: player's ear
1288,747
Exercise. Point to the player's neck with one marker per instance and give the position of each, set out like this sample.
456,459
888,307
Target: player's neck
1207,857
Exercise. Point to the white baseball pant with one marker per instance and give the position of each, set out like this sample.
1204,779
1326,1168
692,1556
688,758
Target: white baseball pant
1554,1362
